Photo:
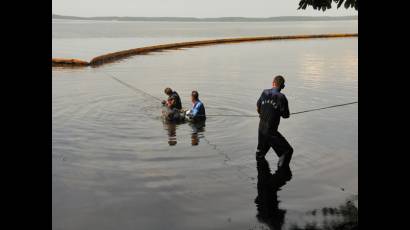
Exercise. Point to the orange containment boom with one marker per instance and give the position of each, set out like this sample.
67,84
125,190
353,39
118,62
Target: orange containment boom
68,62
111,57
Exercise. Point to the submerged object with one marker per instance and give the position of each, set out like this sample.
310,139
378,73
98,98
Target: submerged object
178,115
173,115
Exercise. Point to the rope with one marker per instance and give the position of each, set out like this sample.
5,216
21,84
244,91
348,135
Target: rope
224,115
310,110
304,111
132,87
214,146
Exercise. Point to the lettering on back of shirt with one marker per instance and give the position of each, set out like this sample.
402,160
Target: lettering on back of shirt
272,102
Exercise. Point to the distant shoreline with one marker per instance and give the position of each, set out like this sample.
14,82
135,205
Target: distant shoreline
221,19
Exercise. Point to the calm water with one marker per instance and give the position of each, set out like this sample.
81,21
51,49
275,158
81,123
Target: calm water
85,39
116,165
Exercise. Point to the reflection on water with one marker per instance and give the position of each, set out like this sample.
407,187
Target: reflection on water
312,66
198,129
267,203
172,132
345,217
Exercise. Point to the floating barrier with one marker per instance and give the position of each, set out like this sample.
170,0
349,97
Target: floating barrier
111,57
68,62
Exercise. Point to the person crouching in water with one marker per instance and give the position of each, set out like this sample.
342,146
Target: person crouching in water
197,112
272,105
173,104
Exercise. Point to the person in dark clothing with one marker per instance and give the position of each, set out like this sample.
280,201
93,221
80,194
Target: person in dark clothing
174,101
173,105
271,106
197,113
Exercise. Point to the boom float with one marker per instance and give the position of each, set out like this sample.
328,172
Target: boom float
112,57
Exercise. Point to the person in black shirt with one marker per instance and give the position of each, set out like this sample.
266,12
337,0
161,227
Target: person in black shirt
174,101
272,105
173,105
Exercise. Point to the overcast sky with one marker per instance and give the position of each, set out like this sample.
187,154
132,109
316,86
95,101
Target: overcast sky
189,8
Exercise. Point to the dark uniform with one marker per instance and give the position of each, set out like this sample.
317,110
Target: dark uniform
172,111
272,105
177,101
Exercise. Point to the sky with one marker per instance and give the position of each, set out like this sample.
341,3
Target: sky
189,8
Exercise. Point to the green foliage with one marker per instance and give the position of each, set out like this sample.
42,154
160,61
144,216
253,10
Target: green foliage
327,4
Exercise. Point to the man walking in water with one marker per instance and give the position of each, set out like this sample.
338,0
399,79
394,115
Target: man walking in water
272,105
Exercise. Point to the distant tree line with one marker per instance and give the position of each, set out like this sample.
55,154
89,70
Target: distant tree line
327,4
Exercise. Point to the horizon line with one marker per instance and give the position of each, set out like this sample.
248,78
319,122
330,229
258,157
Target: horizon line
191,17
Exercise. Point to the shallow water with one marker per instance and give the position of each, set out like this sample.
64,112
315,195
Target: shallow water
116,165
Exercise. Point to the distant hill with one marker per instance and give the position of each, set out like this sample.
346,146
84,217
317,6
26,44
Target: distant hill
222,19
